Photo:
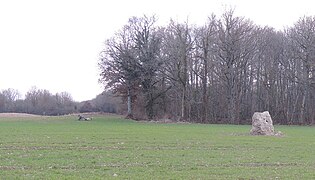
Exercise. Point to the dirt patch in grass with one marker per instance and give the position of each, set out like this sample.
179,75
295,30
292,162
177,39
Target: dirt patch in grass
163,121
94,114
278,164
81,148
6,115
13,167
25,115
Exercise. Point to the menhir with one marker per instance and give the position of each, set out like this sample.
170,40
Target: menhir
262,124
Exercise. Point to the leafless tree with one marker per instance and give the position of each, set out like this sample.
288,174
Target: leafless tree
8,97
221,72
206,38
118,66
235,49
177,49
302,38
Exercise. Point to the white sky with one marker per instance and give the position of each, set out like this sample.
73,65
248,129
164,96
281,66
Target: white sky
54,44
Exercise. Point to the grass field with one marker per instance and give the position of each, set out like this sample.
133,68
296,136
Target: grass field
114,148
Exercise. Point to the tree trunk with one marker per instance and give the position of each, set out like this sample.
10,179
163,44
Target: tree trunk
164,97
149,109
184,83
231,94
183,104
204,90
231,109
302,110
129,106
294,108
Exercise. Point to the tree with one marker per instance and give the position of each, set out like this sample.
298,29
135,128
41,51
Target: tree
147,47
8,98
221,72
178,45
107,102
118,65
131,61
302,37
205,41
87,107
41,101
235,48
65,103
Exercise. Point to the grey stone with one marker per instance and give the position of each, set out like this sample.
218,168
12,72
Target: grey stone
262,124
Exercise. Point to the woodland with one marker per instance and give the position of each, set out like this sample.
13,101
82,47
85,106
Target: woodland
220,72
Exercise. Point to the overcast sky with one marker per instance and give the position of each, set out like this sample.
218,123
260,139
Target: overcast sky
55,44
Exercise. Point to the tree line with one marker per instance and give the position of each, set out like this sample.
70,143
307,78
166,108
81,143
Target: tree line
221,72
42,102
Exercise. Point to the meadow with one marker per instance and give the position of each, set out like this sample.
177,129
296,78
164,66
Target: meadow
109,147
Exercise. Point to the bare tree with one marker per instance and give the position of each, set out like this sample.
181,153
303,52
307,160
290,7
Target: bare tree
221,72
147,47
119,66
8,97
178,45
42,102
205,42
302,37
131,61
235,47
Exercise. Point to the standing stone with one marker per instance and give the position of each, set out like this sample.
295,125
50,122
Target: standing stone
262,124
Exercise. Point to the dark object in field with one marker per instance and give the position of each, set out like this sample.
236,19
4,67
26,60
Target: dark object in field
83,118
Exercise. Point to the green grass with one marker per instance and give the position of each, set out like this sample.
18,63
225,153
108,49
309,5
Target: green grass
113,148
